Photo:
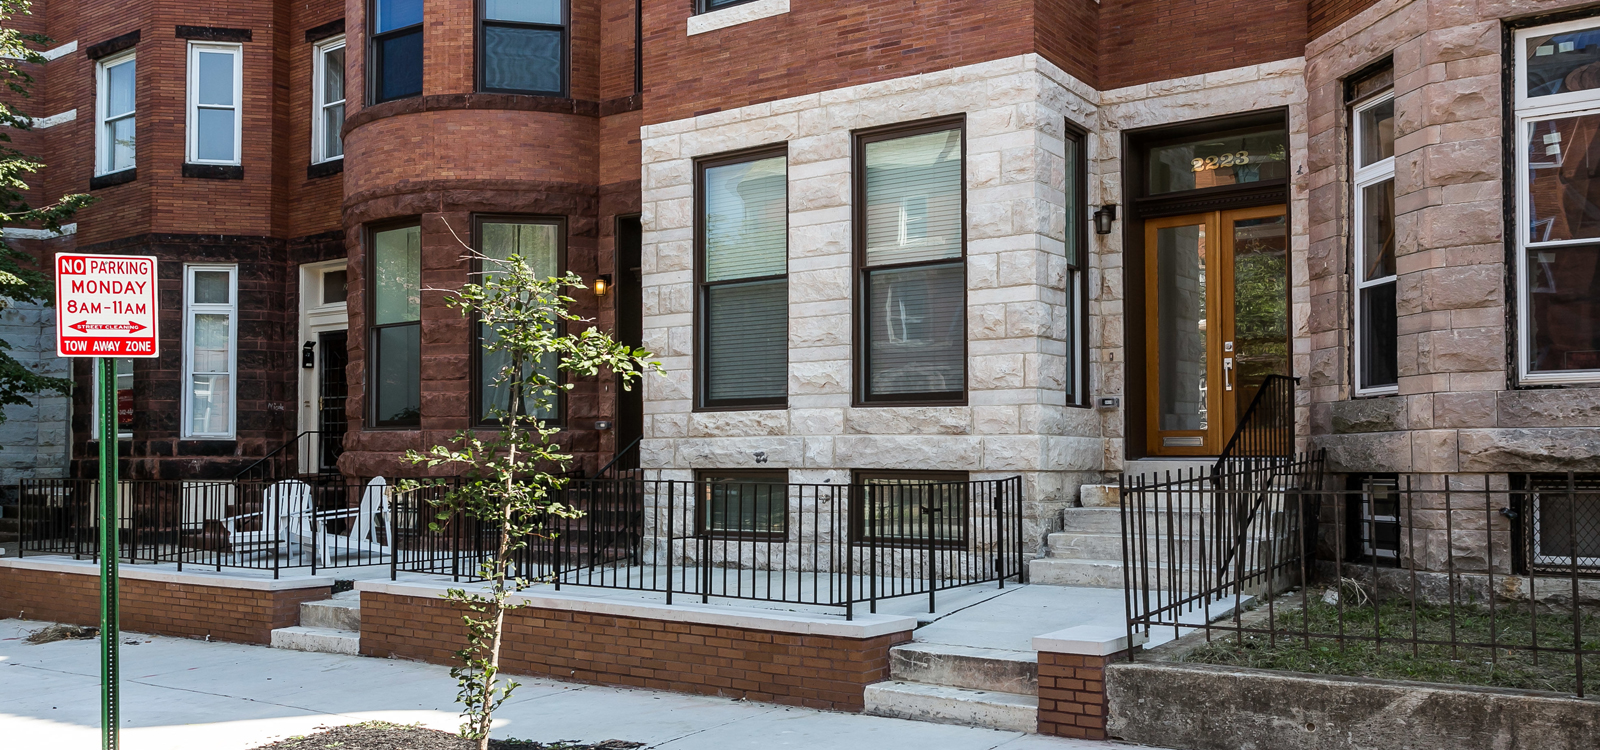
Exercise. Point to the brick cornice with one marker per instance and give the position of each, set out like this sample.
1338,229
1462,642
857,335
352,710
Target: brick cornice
442,190
477,101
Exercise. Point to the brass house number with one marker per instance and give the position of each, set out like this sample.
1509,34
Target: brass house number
1225,160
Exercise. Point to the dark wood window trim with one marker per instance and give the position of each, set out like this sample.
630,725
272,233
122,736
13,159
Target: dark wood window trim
1078,393
370,273
702,346
475,360
329,29
325,168
213,171
704,6
565,27
374,60
213,34
861,534
115,178
759,477
112,46
861,396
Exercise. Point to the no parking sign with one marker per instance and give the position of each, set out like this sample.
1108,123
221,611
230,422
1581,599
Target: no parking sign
106,306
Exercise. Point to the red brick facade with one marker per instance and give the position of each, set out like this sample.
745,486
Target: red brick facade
1072,694
184,610
800,670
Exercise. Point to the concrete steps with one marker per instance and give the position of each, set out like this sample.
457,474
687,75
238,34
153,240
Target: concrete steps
965,685
329,626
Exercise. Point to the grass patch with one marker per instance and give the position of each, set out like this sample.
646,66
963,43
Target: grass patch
1512,665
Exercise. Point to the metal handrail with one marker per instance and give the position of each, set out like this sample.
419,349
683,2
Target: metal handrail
633,446
276,451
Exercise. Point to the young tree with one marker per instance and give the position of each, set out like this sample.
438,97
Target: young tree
509,481
20,279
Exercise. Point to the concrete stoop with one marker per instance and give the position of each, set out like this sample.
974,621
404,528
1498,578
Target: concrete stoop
949,684
329,626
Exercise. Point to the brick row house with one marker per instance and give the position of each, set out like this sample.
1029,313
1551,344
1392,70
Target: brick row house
870,242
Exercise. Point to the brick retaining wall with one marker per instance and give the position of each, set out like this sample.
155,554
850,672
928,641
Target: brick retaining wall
160,607
801,669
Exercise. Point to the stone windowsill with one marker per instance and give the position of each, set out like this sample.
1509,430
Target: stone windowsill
742,13
128,571
863,626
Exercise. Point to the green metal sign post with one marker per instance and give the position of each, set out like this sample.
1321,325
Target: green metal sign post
106,308
106,372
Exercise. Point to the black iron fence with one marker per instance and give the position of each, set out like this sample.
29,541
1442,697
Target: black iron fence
1478,579
814,544
832,545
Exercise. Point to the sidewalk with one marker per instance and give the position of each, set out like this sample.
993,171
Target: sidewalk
184,694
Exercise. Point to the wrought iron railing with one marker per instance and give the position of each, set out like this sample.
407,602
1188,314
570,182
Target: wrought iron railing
623,465
309,453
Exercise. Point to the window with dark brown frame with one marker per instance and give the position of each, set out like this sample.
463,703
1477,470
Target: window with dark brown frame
541,243
1076,240
395,329
910,240
522,46
911,508
396,49
742,503
742,234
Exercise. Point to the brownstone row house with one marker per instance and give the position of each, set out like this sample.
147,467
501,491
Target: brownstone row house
869,241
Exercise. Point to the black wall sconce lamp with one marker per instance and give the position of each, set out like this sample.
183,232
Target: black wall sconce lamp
1103,218
308,355
602,284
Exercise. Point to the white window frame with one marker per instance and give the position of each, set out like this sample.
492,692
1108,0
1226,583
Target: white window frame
318,106
103,139
190,310
193,108
1363,178
1528,113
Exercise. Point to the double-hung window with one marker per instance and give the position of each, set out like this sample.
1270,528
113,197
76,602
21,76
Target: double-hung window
215,83
327,105
743,504
911,261
210,337
1376,344
396,328
538,243
114,108
396,53
743,233
1077,252
1557,143
523,46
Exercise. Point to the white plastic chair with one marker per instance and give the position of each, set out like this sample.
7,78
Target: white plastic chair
369,525
284,521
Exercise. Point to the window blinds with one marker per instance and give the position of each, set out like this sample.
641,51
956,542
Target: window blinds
745,297
913,201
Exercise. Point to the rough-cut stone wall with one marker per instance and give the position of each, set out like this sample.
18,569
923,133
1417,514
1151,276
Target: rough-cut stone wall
33,439
1245,89
1016,421
1455,410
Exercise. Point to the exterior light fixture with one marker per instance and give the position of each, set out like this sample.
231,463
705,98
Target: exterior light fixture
308,355
1103,218
602,284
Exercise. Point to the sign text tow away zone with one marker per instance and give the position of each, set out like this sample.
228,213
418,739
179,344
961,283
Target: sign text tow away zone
106,306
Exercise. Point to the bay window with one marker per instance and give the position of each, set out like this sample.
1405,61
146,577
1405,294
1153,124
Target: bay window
538,243
523,46
396,328
743,234
1376,344
396,52
114,108
210,338
1557,143
911,262
215,84
327,105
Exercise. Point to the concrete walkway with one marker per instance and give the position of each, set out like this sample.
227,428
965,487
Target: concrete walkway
185,694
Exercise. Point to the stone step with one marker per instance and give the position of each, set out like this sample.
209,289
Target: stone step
320,640
339,613
949,705
991,669
1071,545
1109,520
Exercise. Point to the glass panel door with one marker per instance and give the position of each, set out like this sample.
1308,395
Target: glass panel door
1216,311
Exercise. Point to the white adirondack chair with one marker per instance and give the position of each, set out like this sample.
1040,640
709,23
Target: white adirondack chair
369,531
284,521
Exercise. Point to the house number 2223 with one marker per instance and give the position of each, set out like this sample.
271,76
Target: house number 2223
1224,160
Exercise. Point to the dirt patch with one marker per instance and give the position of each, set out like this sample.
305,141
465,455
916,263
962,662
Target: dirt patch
378,735
55,633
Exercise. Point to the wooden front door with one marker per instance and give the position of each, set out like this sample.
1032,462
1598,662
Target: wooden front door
1216,312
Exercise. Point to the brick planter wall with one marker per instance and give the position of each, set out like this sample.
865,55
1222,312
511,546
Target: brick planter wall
159,607
1072,695
801,669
